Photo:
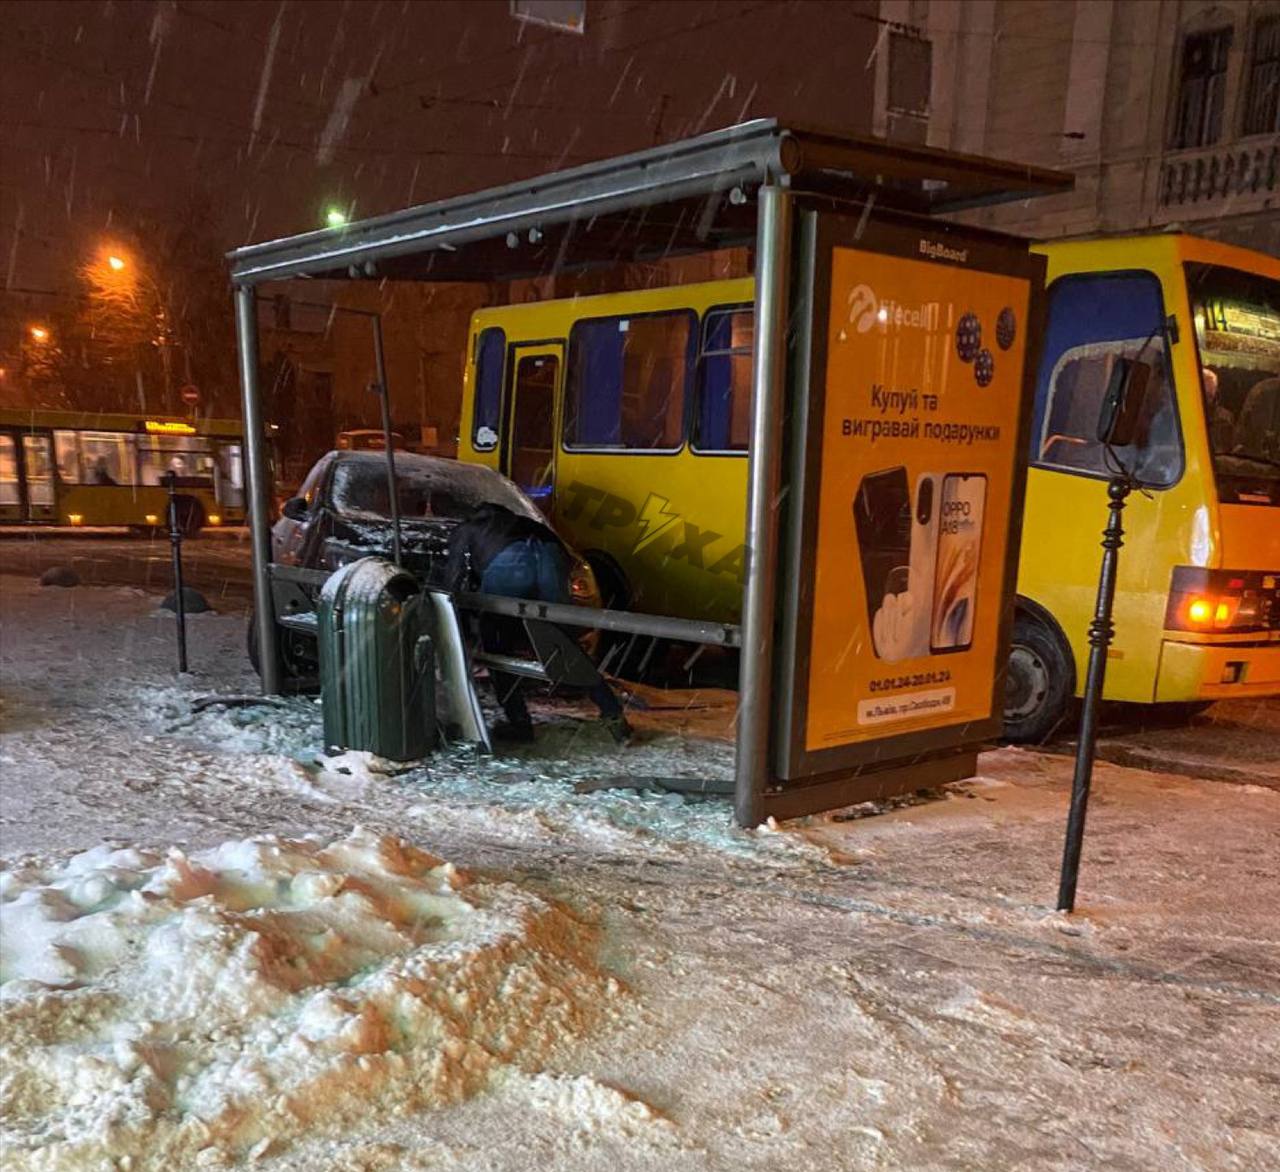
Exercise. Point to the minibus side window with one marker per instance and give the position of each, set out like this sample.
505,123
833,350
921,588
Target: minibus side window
491,349
722,420
626,381
1094,319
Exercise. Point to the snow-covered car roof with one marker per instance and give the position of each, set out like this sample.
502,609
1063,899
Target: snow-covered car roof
428,487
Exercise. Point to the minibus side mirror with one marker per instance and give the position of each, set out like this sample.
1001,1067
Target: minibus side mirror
1122,402
295,508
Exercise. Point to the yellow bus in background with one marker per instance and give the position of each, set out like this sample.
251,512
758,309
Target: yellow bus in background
93,469
626,416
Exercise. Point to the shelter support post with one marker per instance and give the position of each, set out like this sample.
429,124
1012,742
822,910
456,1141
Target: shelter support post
388,444
769,369
257,488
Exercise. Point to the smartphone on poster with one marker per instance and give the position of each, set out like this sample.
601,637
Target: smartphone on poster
925,510
882,520
955,591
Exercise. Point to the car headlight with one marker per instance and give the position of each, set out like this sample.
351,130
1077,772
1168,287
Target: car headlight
583,587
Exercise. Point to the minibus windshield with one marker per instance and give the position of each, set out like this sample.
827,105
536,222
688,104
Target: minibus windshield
1237,321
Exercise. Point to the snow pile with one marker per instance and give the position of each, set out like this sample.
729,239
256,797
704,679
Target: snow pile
191,1010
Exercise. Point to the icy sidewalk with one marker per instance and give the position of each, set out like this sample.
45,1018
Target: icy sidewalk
889,991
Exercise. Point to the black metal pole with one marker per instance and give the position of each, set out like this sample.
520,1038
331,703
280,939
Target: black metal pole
384,400
175,547
1100,632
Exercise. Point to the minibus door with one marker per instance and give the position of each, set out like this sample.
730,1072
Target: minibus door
37,466
529,453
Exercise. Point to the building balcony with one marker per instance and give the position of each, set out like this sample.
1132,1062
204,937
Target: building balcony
1226,180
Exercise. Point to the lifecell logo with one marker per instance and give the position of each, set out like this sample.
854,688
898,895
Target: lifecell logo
863,308
867,310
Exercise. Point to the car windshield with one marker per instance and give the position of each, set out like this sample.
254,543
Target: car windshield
1237,318
427,487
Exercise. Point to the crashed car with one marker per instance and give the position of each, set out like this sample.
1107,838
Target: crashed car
343,512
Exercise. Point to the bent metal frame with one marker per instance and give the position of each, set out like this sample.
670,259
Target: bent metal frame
761,185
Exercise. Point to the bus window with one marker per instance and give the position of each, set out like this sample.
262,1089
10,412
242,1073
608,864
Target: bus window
491,348
722,421
107,457
626,381
9,495
230,481
66,454
185,455
1094,319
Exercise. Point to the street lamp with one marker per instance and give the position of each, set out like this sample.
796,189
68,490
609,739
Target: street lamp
39,334
335,217
124,287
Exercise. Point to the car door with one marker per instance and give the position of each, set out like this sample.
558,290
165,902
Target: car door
529,456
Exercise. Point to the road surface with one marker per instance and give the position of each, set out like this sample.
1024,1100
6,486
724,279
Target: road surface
216,563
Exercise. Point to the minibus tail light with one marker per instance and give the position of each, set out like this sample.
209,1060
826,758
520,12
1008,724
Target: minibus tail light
1222,600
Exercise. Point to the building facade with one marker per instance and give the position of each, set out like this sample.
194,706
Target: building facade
1167,111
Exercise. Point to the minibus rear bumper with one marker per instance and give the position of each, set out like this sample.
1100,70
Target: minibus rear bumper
1217,671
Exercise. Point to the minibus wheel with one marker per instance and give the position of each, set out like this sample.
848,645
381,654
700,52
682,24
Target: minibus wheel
1040,680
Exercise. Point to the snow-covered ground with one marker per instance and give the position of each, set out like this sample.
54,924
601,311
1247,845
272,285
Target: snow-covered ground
219,948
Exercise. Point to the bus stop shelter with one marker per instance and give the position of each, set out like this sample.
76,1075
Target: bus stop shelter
769,187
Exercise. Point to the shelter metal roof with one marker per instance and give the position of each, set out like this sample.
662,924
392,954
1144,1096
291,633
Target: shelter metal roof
687,196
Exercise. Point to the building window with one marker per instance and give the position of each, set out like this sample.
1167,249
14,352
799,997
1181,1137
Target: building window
626,383
1201,89
910,72
1262,97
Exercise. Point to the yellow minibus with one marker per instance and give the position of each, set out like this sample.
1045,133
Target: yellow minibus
626,416
95,469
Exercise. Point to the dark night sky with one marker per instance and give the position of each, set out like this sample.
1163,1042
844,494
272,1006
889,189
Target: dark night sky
270,111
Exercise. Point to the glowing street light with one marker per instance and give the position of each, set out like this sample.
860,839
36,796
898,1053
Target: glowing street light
39,333
116,262
335,217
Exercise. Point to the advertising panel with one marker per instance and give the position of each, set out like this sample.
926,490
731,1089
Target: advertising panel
924,374
911,463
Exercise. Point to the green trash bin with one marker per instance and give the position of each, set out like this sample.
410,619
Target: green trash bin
377,676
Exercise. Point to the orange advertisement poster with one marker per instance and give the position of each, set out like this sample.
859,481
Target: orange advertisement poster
924,379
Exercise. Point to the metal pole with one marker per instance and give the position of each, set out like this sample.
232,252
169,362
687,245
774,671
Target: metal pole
384,398
1100,632
175,549
258,489
769,365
